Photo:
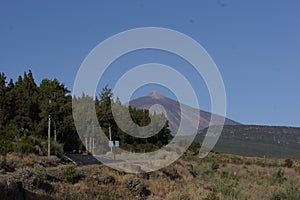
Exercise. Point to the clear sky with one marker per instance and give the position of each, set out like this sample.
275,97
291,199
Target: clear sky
255,44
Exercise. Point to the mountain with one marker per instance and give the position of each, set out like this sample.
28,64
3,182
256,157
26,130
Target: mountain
245,140
173,112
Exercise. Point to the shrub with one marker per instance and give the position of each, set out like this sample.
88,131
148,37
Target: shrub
212,196
290,191
109,180
104,195
207,173
26,147
70,175
273,163
5,146
136,186
224,175
33,178
248,162
37,145
30,144
215,166
278,195
178,195
278,177
227,189
4,166
172,173
57,149
194,148
288,163
236,160
6,137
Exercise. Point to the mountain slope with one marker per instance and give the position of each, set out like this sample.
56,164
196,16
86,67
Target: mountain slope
260,141
172,111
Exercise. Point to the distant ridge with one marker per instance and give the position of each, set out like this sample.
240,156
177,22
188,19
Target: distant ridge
258,141
172,109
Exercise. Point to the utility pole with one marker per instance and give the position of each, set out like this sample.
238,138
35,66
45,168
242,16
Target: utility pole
55,136
110,137
93,150
94,133
90,146
86,144
49,130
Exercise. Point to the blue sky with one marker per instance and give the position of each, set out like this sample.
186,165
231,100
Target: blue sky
255,44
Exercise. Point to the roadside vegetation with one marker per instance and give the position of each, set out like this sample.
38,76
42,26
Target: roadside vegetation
217,176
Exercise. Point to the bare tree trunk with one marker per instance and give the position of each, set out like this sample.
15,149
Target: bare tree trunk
90,146
93,146
86,144
55,134
110,138
49,131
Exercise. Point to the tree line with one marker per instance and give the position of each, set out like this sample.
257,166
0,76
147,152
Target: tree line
25,107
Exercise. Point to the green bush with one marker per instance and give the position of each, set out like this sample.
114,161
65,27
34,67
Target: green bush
278,177
57,149
290,191
214,166
36,145
278,195
27,146
227,189
6,138
70,175
224,175
207,173
5,146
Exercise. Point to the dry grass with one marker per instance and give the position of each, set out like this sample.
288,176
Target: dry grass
218,176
